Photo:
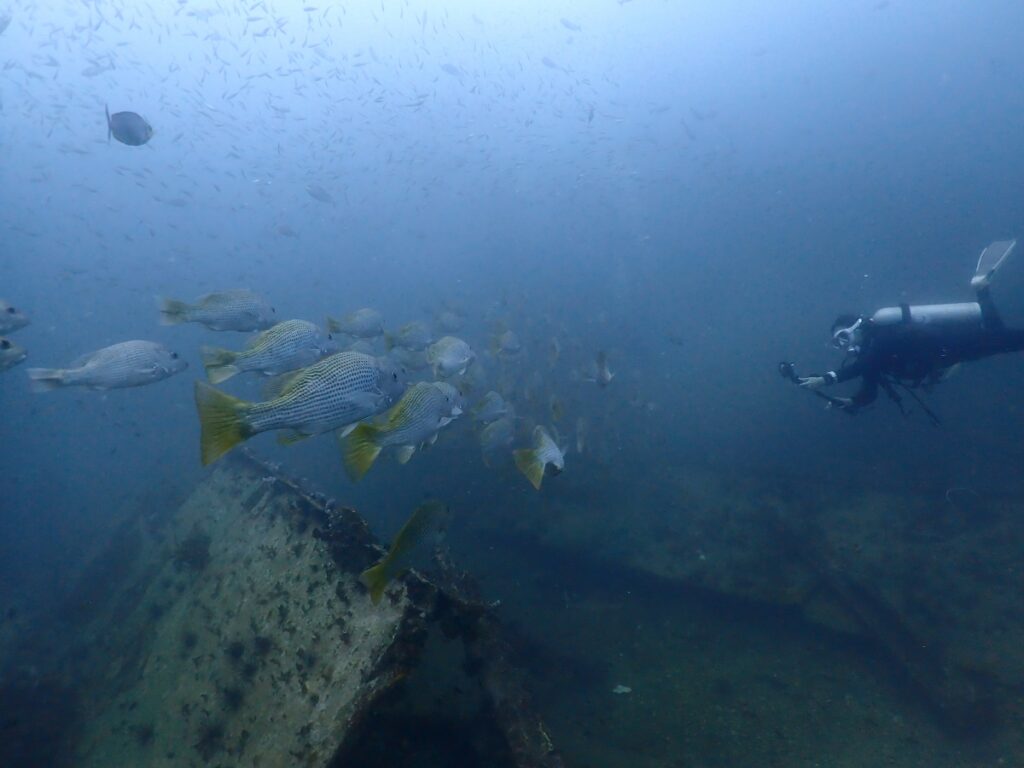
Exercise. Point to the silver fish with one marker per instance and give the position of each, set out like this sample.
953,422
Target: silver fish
284,347
415,336
450,356
128,364
234,310
496,435
11,318
364,323
491,407
10,354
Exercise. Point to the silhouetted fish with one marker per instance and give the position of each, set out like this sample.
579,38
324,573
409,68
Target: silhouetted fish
128,128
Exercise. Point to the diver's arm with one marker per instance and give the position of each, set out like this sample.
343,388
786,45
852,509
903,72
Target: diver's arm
867,393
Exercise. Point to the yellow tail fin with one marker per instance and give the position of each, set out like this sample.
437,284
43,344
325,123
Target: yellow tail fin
360,451
172,311
219,363
530,465
376,578
221,420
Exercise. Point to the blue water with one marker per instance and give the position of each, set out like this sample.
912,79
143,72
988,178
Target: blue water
696,188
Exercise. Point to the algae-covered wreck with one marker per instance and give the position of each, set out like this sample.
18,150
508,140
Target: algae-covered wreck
237,633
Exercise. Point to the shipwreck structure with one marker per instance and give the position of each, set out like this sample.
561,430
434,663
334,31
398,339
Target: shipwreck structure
236,632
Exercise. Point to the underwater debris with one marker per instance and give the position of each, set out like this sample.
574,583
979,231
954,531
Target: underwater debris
275,657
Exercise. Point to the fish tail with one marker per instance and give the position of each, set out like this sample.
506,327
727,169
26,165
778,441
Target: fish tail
221,421
333,326
530,465
389,341
360,450
173,312
375,579
46,379
219,363
110,129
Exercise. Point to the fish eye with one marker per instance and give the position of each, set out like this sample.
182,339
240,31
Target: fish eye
394,375
330,337
11,310
5,344
174,355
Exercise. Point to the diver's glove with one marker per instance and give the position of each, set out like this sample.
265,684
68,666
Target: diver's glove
816,382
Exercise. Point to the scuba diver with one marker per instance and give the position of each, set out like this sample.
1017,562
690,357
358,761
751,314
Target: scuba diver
915,346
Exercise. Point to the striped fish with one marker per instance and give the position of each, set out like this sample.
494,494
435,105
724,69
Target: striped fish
334,393
235,310
128,364
532,461
288,345
416,419
364,323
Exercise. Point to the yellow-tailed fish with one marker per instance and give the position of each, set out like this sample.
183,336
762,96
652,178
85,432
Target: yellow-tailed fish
288,345
331,394
429,518
532,461
414,420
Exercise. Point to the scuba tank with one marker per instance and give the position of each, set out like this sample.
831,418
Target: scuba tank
962,314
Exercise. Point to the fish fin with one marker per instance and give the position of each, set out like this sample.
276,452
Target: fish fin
291,437
375,579
404,452
347,430
389,341
45,379
110,128
433,438
530,465
172,312
221,421
364,400
219,363
333,326
360,450
279,385
82,360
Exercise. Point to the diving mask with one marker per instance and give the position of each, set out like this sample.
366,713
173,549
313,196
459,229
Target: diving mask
849,339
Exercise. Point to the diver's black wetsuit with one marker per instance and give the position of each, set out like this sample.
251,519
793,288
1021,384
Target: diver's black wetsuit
915,353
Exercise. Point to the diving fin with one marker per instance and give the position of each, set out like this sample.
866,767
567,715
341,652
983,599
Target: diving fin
990,260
